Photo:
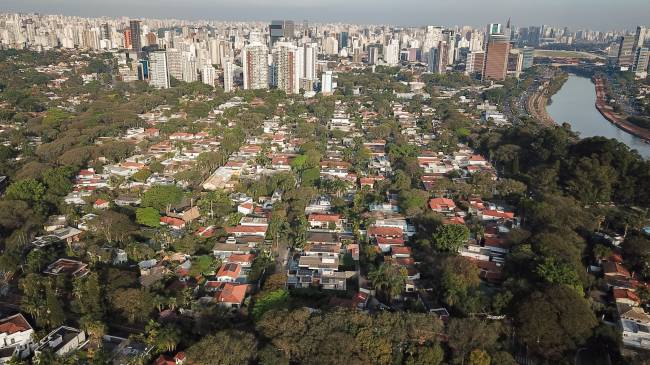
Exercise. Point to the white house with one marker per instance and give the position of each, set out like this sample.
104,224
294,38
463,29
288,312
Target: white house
15,337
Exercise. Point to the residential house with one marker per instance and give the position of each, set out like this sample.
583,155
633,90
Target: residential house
62,341
16,338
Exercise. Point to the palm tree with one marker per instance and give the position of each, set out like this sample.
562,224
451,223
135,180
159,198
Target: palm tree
388,279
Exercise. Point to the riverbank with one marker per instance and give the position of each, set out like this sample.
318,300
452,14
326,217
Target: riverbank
536,103
619,120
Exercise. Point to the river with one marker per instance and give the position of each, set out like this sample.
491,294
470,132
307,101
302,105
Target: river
575,103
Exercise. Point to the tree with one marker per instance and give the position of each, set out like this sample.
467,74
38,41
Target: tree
29,190
54,314
242,349
134,304
88,298
479,357
114,226
554,272
149,217
164,338
458,277
554,321
450,237
466,334
388,279
429,354
271,300
161,196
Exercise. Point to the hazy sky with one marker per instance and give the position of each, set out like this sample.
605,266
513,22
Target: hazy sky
597,14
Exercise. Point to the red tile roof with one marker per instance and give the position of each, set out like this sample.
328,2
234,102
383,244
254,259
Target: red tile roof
231,293
385,231
441,204
13,324
315,217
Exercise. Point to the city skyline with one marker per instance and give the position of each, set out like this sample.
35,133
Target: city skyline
599,14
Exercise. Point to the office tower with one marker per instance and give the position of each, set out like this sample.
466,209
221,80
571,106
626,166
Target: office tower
158,72
641,60
281,29
474,63
438,58
625,57
208,75
188,65
175,63
287,67
330,46
343,40
256,66
327,86
515,62
494,28
127,39
228,75
136,42
640,36
496,58
449,36
373,54
534,35
529,57
391,53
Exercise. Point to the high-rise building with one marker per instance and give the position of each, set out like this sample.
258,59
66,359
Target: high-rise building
228,75
626,47
438,58
515,62
256,66
640,36
391,53
496,58
105,31
189,67
158,71
327,83
127,39
330,46
309,57
641,60
529,57
494,28
286,60
343,40
208,75
175,63
373,54
136,41
474,63
281,29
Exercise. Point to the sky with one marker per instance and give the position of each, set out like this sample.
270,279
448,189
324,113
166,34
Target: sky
594,14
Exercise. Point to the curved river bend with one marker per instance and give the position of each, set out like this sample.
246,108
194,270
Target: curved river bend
575,103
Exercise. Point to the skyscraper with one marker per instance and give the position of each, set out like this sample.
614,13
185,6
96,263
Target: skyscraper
175,63
391,53
256,66
158,71
281,29
287,67
474,63
309,55
127,39
343,40
626,47
208,75
529,57
327,83
641,60
373,54
640,36
188,65
228,75
496,58
136,42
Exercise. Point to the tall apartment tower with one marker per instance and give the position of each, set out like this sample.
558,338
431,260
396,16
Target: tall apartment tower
158,71
228,75
641,60
136,41
286,60
496,58
327,86
175,63
474,63
256,66
640,36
